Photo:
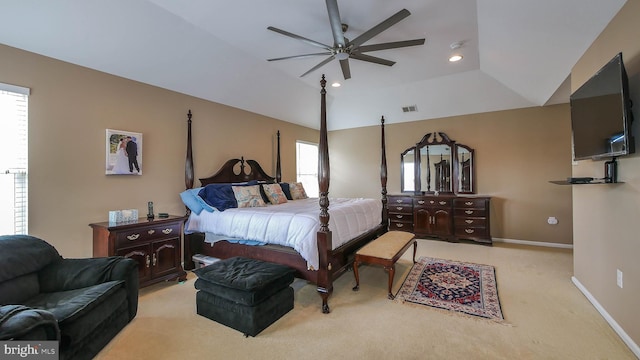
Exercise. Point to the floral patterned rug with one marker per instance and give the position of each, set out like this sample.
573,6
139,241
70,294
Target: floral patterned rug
453,285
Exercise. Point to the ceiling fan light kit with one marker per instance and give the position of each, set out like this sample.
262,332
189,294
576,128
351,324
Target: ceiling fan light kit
344,49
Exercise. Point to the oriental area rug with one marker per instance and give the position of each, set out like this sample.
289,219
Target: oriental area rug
453,285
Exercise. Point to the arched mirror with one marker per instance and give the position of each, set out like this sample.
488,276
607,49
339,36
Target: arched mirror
437,164
464,158
407,170
435,168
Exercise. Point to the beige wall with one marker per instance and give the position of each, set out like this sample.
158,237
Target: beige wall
605,216
517,152
69,109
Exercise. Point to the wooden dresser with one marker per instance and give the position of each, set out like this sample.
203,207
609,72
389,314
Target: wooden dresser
154,244
447,217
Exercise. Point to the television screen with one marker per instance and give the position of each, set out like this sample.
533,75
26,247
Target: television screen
601,114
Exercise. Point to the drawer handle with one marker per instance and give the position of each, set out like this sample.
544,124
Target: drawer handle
468,212
469,221
469,203
399,225
151,232
469,231
442,202
432,202
399,216
133,237
167,231
399,208
420,202
399,201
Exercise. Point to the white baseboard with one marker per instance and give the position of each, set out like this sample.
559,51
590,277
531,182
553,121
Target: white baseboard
617,328
534,243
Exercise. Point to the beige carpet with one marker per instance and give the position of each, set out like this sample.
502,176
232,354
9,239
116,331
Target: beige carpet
547,316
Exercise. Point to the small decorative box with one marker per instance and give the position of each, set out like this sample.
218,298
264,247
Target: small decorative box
123,216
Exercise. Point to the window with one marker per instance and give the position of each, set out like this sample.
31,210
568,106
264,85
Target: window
307,167
13,159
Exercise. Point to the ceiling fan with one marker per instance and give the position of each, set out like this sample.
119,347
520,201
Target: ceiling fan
344,49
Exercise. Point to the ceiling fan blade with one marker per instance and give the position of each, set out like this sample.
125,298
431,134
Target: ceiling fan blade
298,37
372,59
346,72
389,45
299,56
321,64
336,23
367,35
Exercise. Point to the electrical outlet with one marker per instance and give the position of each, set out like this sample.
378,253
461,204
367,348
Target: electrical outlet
619,278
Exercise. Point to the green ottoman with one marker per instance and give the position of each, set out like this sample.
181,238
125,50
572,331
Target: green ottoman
245,294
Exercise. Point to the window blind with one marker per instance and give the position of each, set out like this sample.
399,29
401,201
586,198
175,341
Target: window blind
14,101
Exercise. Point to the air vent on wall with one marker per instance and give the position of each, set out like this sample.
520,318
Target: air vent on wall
410,108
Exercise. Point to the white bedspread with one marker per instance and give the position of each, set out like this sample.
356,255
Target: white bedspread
292,224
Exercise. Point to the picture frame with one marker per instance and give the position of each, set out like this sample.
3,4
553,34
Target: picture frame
120,146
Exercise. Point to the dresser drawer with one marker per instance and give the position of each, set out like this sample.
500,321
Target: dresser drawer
137,235
403,217
399,200
470,212
469,203
400,209
469,231
432,202
470,222
399,225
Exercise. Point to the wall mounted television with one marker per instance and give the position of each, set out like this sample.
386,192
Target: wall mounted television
601,114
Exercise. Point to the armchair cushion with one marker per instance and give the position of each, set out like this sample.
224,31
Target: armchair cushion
18,290
70,304
82,311
21,322
24,254
71,274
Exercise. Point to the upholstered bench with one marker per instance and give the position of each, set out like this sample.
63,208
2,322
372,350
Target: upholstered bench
385,251
244,294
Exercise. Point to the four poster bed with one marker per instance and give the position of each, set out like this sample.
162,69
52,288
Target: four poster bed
334,253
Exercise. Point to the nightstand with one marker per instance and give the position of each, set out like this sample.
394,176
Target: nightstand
154,244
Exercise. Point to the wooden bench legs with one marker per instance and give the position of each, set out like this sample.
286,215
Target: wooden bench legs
388,264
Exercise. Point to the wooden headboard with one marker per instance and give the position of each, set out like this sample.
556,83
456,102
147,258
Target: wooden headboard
226,174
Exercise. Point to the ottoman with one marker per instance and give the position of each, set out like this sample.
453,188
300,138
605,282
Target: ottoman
244,294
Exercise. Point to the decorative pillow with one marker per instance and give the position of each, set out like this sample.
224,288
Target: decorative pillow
220,196
286,191
194,202
297,191
189,199
274,193
248,196
265,198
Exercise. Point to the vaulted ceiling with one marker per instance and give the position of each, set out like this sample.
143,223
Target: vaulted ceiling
515,53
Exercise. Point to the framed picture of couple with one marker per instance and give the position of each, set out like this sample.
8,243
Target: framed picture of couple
124,153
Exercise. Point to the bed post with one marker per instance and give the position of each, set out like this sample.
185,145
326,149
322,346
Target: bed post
278,167
188,168
187,260
383,176
325,281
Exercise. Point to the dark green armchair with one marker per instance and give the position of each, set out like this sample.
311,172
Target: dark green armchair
82,303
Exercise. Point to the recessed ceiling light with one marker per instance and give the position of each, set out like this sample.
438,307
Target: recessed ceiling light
455,58
336,84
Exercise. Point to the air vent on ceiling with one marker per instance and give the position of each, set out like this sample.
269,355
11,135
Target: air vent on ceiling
410,108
